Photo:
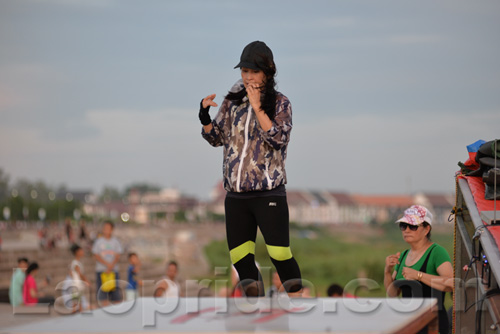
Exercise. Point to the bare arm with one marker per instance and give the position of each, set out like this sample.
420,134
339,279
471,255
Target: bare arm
161,288
443,281
116,259
208,128
111,265
390,274
392,291
100,259
79,272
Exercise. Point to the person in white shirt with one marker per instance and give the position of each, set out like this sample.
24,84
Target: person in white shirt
107,250
169,286
76,283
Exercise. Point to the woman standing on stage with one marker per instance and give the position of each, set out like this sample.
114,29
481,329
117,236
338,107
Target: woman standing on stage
254,124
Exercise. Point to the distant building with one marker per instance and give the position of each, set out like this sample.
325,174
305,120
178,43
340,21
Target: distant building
150,207
109,209
321,207
439,204
301,207
305,206
381,208
344,208
217,197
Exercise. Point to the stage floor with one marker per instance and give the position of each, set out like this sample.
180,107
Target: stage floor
219,315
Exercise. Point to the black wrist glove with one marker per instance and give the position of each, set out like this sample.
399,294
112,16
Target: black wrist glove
203,115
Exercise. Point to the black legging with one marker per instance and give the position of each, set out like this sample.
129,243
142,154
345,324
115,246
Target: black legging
270,214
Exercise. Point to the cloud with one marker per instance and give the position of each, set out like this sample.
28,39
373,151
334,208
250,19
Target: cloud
366,153
136,130
415,39
8,98
162,146
335,22
355,153
466,7
78,3
117,130
26,85
388,40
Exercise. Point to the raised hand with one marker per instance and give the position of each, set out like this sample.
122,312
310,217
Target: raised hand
209,101
253,92
391,261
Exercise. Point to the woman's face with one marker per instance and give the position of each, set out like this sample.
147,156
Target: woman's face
415,236
252,77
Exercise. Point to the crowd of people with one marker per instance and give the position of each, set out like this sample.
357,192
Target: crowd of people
23,289
423,270
107,250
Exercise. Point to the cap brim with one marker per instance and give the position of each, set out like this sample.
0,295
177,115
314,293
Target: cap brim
407,221
247,65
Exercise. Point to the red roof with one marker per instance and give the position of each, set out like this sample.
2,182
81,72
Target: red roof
343,198
439,200
384,200
295,197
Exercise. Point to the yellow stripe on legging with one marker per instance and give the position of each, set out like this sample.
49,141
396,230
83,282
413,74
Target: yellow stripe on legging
239,252
279,253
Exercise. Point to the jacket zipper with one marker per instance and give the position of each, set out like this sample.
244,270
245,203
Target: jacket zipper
244,152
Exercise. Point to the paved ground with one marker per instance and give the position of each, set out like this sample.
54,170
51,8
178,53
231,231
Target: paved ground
8,319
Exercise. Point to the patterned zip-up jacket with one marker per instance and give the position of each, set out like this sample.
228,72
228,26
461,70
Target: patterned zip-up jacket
254,159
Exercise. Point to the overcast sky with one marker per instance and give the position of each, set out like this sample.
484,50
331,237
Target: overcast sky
386,95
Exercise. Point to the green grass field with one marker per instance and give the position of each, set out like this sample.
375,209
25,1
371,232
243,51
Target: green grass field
337,254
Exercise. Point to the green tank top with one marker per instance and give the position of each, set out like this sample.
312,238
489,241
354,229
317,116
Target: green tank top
438,257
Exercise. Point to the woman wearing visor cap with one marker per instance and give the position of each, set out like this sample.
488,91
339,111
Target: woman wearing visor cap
253,125
424,270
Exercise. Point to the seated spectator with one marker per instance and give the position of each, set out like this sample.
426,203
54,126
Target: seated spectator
31,296
335,290
17,282
424,270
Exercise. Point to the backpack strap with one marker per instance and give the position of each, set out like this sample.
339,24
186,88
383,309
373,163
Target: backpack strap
423,268
402,257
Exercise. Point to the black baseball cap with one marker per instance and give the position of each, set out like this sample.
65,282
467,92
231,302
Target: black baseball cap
256,56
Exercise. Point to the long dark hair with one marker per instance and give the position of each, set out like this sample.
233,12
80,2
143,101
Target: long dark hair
425,224
31,267
268,92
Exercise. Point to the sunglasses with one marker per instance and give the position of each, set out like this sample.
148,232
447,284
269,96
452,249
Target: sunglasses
403,226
